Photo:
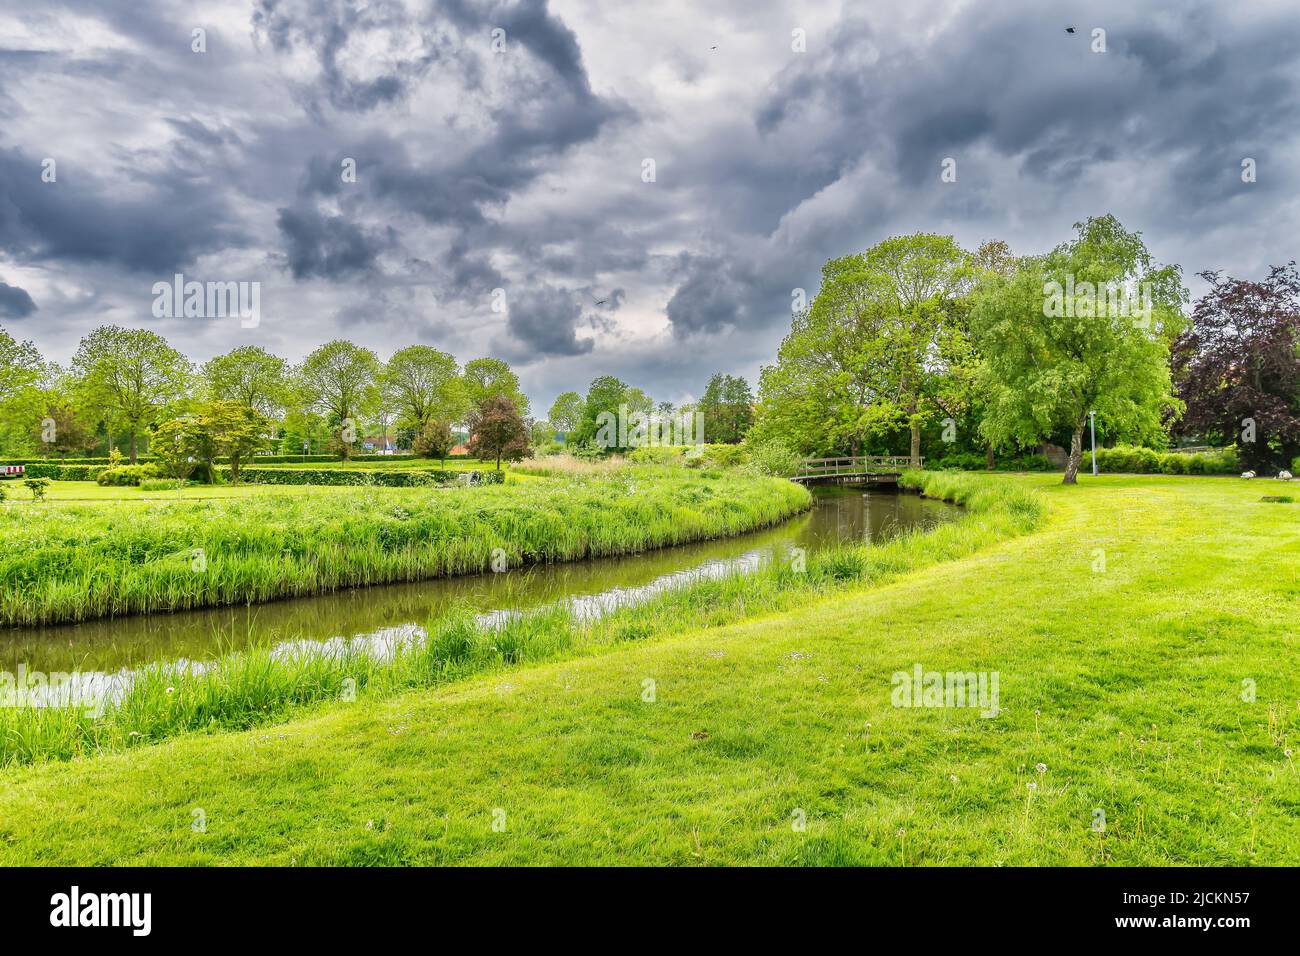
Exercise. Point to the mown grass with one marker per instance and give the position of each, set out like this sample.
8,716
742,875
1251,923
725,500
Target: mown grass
1126,678
265,684
94,560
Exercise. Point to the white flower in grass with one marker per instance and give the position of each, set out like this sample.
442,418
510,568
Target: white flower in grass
1031,786
1041,768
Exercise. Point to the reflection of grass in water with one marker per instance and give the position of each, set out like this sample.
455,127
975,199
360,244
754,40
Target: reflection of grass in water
263,685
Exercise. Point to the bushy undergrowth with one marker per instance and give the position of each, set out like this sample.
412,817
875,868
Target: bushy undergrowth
259,686
83,561
1146,461
127,475
970,461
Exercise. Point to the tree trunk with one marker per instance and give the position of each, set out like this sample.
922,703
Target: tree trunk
988,456
1076,453
133,446
498,460
915,456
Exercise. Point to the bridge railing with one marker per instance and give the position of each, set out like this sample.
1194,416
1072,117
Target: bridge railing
829,467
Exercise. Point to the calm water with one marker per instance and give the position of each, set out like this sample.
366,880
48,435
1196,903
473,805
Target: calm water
839,514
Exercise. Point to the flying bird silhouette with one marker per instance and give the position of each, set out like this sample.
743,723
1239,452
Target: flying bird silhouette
1069,30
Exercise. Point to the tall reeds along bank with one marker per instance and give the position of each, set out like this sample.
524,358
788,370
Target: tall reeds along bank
73,562
265,685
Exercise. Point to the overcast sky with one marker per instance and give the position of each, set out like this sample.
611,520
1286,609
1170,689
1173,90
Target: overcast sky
518,164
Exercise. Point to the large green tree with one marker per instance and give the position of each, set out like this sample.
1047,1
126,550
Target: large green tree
1085,328
605,396
424,386
20,374
489,377
826,392
728,407
566,412
133,375
251,376
340,381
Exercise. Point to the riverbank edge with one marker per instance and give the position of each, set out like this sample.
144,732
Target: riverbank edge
261,686
205,563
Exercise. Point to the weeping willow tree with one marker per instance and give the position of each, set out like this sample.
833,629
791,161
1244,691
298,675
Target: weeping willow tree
1087,327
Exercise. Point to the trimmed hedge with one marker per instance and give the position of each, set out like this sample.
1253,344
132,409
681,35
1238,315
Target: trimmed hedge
62,472
406,478
1148,461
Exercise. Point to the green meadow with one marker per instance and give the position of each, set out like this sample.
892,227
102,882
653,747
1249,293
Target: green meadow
1139,628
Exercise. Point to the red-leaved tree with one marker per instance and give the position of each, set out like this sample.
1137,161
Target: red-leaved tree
1237,367
497,430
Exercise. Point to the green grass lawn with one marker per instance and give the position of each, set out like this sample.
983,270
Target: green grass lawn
1124,681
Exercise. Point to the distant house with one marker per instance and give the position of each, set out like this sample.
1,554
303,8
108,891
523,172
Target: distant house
379,445
459,450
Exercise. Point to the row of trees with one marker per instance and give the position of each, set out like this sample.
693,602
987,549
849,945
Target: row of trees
125,382
726,410
919,340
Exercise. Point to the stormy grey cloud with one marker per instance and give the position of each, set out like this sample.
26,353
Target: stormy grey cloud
500,145
15,303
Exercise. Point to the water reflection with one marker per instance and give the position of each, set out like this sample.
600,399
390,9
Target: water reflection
398,611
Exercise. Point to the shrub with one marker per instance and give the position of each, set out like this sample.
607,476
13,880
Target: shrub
1147,461
125,475
37,486
774,458
1030,463
161,484
960,461
657,455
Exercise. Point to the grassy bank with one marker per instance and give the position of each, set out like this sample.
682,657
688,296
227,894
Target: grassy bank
1125,681
81,561
263,685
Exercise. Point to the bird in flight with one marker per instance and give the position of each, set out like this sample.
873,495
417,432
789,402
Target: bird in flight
1069,30
713,48
598,301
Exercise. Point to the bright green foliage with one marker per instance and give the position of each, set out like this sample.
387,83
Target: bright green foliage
728,407
133,374
566,412
251,376
424,385
1048,363
485,378
604,397
340,382
869,355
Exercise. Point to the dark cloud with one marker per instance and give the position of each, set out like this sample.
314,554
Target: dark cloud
519,169
328,247
15,303
543,322
80,219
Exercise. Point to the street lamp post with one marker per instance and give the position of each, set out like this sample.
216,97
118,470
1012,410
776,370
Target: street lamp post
1092,427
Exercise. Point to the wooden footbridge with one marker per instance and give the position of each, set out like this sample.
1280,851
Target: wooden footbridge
868,470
